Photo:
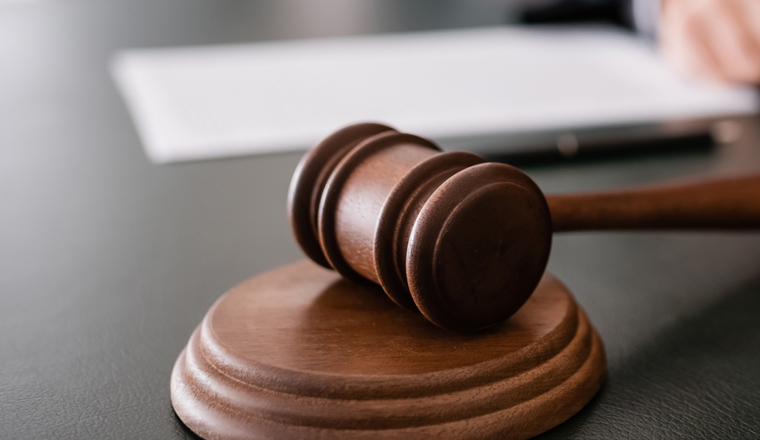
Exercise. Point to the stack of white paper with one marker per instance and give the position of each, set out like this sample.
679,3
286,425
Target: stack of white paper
192,103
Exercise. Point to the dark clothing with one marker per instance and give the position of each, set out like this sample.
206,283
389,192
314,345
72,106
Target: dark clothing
569,11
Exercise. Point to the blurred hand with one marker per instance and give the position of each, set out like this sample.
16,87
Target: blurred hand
718,39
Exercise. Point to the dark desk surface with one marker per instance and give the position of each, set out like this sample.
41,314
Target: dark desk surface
108,262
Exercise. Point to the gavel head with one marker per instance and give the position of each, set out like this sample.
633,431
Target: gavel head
463,241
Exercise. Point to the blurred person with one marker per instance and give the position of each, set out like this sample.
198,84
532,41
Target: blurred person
715,39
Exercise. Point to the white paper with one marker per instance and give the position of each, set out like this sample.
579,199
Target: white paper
205,102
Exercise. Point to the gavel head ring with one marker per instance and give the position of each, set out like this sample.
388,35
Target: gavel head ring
463,241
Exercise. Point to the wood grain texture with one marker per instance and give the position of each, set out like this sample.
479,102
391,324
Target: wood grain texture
300,352
478,248
310,179
730,203
462,241
399,214
355,194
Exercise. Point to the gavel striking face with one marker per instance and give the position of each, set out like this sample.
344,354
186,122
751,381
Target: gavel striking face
464,241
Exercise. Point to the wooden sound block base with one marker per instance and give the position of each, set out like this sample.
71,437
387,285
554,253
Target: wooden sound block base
299,352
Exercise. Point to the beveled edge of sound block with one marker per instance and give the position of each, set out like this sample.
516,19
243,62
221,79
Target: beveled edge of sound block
298,352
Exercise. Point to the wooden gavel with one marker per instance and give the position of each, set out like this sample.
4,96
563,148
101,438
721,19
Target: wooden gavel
462,240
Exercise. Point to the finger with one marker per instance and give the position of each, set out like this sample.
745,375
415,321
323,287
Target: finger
727,41
693,42
675,44
734,37
750,12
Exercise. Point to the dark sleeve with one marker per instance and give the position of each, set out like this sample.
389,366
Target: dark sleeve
573,11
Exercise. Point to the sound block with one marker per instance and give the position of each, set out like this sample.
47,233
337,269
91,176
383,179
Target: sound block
300,352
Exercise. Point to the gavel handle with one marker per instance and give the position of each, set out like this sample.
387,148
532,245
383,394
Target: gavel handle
718,204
